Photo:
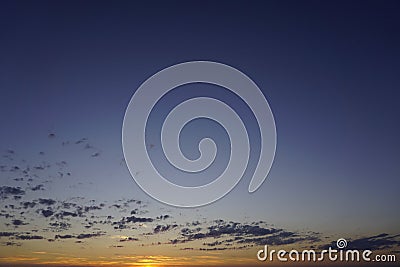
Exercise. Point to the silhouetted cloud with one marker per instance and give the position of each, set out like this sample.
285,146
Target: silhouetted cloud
47,202
61,215
164,228
47,213
7,234
241,235
17,222
37,187
376,242
60,226
28,204
129,239
29,237
6,191
12,244
80,236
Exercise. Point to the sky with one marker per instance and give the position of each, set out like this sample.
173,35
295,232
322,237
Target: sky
68,69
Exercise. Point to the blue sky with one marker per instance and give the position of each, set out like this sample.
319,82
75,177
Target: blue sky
328,69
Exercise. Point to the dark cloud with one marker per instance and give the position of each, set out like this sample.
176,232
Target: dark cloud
17,222
68,205
7,234
37,188
39,168
133,219
84,236
213,244
163,217
123,223
28,237
61,215
241,235
10,151
28,204
48,202
134,212
6,215
12,244
212,249
90,208
64,236
80,141
129,239
164,228
377,242
80,236
60,226
6,191
47,213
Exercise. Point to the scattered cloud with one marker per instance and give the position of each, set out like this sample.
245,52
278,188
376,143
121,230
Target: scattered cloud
376,242
6,191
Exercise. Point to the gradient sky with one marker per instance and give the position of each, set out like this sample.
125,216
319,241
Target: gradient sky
330,71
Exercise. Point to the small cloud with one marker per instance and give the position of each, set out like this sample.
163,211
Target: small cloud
12,244
6,191
64,236
164,228
47,202
47,213
18,222
28,204
84,236
7,234
96,154
28,237
38,187
128,239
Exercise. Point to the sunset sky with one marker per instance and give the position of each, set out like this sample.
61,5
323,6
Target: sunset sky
68,69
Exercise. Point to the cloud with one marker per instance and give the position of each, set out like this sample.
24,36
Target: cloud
60,226
80,236
6,215
17,222
61,215
6,191
47,213
376,242
129,239
93,207
48,202
64,236
28,237
241,235
37,188
164,228
12,244
123,223
162,217
7,234
84,236
28,204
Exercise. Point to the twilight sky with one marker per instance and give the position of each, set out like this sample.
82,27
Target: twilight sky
330,71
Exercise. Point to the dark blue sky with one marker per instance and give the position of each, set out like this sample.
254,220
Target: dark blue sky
329,69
